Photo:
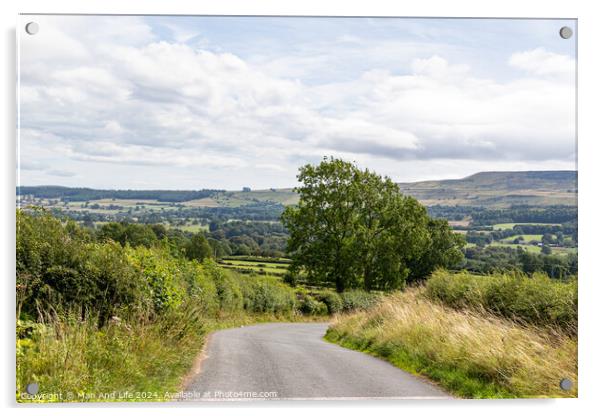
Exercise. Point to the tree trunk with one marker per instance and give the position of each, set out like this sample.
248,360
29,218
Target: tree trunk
340,284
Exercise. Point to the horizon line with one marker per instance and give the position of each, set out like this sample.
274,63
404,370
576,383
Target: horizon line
289,187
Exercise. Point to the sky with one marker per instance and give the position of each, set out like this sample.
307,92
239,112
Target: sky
182,102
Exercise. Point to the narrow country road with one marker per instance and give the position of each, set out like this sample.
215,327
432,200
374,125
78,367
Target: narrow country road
292,361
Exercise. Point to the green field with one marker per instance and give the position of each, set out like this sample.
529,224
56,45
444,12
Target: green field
193,228
564,250
510,225
266,266
235,199
527,247
527,238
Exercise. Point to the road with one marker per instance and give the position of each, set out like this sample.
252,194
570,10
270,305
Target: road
292,361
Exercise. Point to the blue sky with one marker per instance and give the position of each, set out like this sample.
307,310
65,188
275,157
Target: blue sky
484,44
225,102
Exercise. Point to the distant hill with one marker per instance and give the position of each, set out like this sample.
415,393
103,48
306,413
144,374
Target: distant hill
67,194
499,189
487,189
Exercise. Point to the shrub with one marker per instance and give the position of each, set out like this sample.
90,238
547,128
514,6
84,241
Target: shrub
332,300
60,269
358,299
163,279
536,300
310,306
267,295
228,288
201,287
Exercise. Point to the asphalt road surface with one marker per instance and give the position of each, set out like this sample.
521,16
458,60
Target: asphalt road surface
292,361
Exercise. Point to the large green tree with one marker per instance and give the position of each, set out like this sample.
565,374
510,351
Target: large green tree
198,248
353,228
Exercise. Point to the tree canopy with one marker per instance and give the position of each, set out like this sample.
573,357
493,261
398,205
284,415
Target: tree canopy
354,228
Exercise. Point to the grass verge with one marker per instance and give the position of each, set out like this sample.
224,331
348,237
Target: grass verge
536,299
74,361
471,354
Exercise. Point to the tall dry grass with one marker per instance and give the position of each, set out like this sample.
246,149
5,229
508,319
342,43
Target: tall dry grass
472,354
535,299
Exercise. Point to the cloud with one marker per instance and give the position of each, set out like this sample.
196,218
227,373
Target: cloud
437,67
59,172
136,100
32,165
541,62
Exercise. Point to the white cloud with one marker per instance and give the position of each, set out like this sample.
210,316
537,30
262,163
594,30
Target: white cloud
97,97
437,67
60,172
541,62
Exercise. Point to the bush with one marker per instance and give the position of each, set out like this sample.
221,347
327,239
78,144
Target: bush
332,300
200,287
536,300
267,295
310,306
60,269
163,280
358,299
291,278
228,289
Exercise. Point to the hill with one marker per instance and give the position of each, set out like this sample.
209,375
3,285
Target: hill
499,189
487,189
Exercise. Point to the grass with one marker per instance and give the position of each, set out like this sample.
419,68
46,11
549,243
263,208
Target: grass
564,250
471,354
257,266
527,247
240,198
73,361
510,225
527,238
534,249
193,228
536,300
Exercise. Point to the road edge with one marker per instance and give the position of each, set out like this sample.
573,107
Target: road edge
197,364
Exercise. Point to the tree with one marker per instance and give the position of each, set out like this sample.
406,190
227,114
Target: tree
159,230
547,238
443,249
354,228
198,248
128,233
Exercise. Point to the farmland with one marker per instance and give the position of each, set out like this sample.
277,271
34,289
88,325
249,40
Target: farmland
510,225
247,222
256,265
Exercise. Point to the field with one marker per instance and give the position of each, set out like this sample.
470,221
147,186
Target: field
527,238
510,225
264,266
241,198
528,247
531,248
193,228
